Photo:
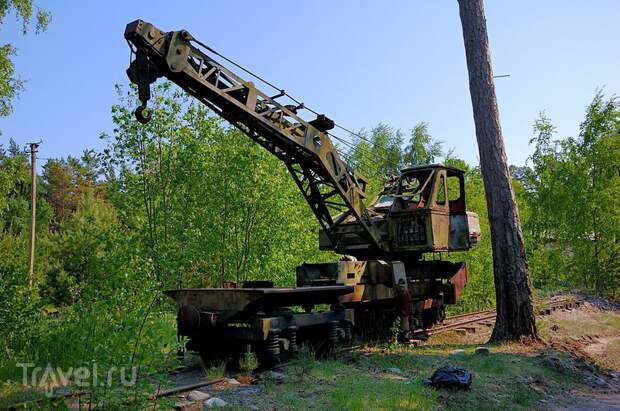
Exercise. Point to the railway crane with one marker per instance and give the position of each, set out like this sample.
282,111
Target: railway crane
382,275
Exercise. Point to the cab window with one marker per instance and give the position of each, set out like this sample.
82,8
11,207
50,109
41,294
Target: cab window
441,191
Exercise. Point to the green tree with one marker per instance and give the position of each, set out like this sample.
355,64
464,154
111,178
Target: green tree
422,148
83,250
10,83
377,155
574,190
479,293
19,310
67,180
211,205
387,149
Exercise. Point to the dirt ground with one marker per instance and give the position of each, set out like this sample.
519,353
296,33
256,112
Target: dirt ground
590,331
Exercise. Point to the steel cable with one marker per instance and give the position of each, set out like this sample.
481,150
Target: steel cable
299,103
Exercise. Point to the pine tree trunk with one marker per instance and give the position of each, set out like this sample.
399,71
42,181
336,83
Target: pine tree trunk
515,316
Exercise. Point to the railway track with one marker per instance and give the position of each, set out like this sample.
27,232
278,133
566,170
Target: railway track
451,323
470,320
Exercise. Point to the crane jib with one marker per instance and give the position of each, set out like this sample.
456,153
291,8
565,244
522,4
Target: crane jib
331,187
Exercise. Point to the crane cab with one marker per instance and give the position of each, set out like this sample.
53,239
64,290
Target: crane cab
428,211
422,210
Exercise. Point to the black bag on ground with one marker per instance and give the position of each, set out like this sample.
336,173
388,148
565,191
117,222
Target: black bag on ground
449,376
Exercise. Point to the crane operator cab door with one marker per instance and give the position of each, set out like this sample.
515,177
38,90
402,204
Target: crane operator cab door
464,227
428,212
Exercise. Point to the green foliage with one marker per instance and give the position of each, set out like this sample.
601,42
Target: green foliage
380,153
479,293
574,190
249,362
10,85
210,204
377,155
24,11
93,297
422,148
216,371
86,250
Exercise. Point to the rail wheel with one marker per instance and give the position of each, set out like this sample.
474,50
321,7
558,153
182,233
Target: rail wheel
433,316
441,313
209,357
374,324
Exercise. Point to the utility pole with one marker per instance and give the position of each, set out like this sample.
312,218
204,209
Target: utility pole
34,147
513,289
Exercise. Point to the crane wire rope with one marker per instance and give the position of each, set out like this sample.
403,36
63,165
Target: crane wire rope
302,106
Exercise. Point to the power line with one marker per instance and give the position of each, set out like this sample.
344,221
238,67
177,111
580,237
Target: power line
119,168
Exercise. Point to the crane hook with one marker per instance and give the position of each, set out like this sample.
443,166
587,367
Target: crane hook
141,116
142,72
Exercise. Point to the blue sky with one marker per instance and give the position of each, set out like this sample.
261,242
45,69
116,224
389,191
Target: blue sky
359,62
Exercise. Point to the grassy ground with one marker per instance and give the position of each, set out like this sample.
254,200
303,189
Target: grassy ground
364,380
514,376
579,349
94,346
593,334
